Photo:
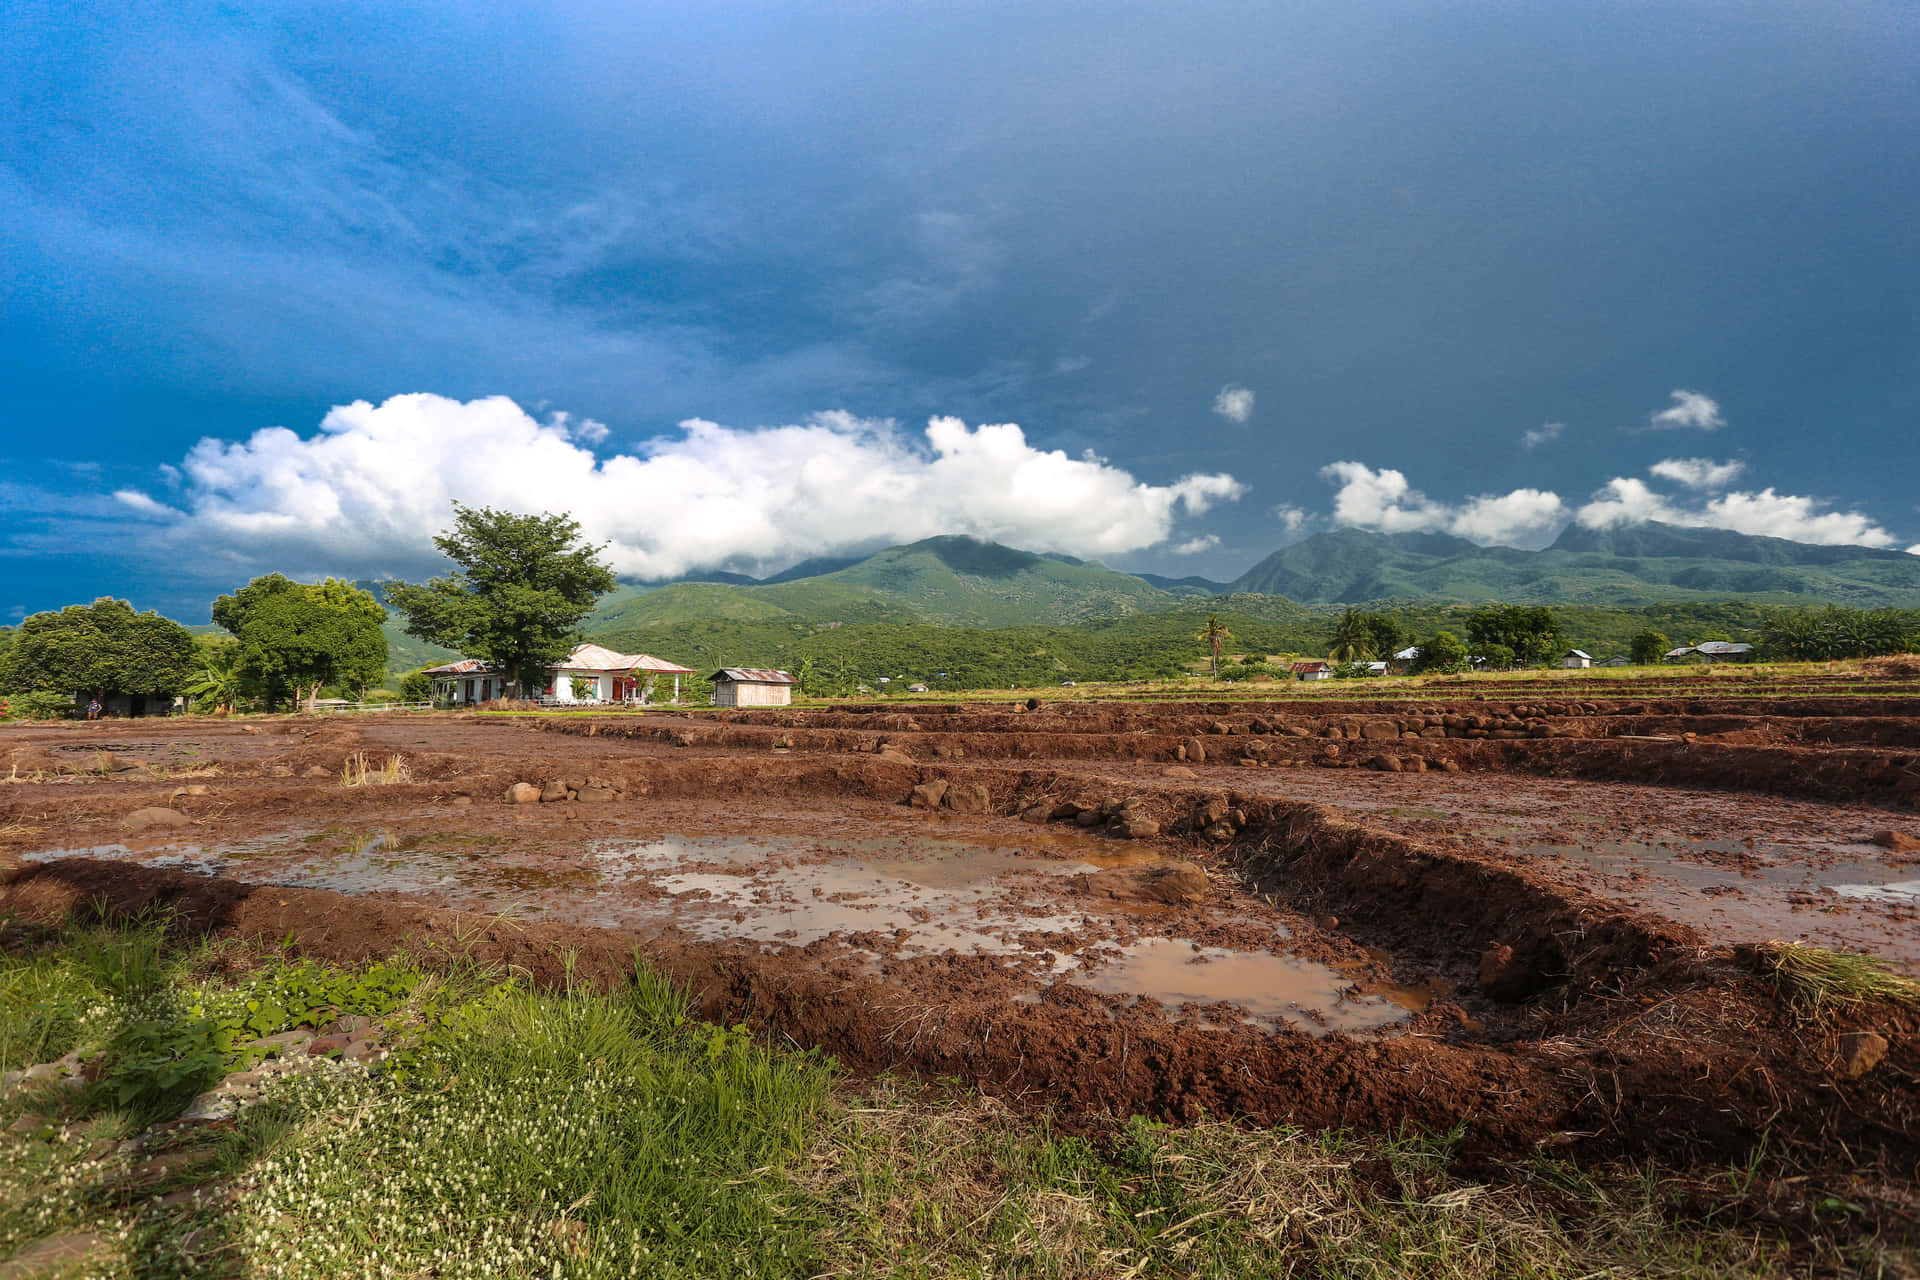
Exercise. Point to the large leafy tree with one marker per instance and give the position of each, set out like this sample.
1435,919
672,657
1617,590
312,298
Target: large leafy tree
1649,646
1532,632
1441,651
99,648
524,585
297,637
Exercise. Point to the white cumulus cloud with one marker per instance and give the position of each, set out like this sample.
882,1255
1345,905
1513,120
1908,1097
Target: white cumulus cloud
1689,410
1914,550
1235,404
1626,500
367,492
1384,501
1291,518
1697,473
1193,546
1545,433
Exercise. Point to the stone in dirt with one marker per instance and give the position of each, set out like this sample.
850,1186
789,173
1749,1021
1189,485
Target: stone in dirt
1036,813
1896,841
553,792
1196,751
523,793
1088,818
1136,828
1151,882
969,798
894,755
1180,772
1221,831
1379,729
1386,764
596,795
1063,811
150,819
928,795
1861,1052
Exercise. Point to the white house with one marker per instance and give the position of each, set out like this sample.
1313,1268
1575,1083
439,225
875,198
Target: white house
1576,658
751,687
466,681
1311,671
593,673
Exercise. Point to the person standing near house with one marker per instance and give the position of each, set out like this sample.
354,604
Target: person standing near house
93,708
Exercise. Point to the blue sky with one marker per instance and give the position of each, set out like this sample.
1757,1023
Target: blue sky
745,283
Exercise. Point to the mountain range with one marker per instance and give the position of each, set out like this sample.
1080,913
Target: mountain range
956,581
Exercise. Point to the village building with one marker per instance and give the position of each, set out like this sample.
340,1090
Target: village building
752,687
465,681
593,673
1712,651
1576,659
590,674
1311,671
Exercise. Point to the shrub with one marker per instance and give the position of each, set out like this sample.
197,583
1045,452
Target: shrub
38,705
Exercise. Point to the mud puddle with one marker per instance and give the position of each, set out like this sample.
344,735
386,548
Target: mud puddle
1265,989
882,899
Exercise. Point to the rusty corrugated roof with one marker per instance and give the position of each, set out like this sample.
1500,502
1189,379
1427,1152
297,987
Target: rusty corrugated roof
751,675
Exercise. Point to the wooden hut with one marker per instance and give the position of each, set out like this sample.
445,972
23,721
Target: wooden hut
751,687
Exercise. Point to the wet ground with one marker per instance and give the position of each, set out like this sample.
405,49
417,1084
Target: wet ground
1239,909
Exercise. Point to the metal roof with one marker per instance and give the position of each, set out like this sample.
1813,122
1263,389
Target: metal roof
1578,653
599,659
1723,646
751,675
461,667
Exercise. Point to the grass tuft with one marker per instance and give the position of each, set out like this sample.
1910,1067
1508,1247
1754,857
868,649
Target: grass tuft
1814,978
358,771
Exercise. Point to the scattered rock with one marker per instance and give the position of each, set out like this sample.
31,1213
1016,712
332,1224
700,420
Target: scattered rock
1033,704
1385,764
328,1046
970,798
1180,772
894,755
197,789
928,795
1414,764
1896,841
1861,1052
1064,811
1218,831
1219,727
1196,751
683,739
1327,924
596,795
1379,729
211,1105
523,793
1036,814
1088,818
1210,812
1151,882
553,792
284,1042
155,818
1136,828
1448,766
783,742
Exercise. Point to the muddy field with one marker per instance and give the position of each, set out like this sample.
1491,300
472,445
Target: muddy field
1536,919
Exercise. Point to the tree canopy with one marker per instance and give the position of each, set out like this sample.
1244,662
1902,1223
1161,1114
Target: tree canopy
99,648
1649,646
1441,651
297,638
1531,631
522,589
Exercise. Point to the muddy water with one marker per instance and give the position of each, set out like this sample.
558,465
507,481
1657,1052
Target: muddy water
888,899
1265,988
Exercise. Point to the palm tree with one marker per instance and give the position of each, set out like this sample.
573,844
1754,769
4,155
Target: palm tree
1352,638
1215,633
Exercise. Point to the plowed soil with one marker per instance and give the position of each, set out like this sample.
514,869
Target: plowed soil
1534,920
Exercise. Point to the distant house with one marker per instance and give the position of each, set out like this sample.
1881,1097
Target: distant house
593,673
466,681
1575,659
751,687
1712,651
916,688
1619,660
1312,671
1376,668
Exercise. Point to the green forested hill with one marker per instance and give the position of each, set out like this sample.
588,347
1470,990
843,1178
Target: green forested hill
1640,565
950,581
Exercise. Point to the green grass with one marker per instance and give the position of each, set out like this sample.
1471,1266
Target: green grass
582,1133
1815,978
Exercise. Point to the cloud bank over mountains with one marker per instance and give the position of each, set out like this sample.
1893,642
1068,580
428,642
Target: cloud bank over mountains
367,492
